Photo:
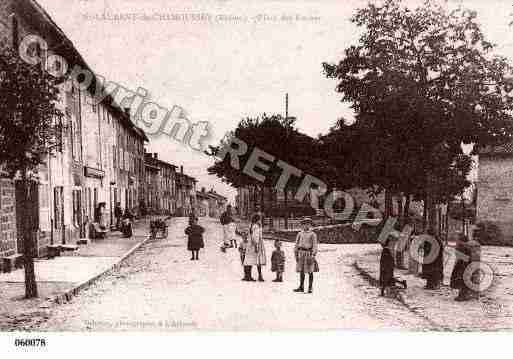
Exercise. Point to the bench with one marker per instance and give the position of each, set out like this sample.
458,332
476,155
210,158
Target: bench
96,231
12,262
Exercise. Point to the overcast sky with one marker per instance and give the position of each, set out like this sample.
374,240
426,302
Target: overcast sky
223,70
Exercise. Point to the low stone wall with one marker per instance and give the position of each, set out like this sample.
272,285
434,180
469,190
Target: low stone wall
335,234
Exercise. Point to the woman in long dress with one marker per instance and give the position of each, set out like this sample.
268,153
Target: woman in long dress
255,251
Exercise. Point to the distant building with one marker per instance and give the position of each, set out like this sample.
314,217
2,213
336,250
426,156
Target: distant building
186,193
210,204
161,192
494,201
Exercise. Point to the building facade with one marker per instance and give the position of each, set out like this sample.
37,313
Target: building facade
100,157
161,185
495,188
186,193
210,204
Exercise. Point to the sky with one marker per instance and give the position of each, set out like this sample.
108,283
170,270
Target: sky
240,63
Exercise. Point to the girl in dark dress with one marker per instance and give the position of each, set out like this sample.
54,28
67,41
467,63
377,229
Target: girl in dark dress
386,268
195,235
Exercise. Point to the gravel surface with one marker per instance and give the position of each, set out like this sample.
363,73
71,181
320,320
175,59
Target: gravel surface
160,289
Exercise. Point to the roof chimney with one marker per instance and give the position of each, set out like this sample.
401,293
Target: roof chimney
155,155
181,169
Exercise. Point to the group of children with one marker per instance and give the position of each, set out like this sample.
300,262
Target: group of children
305,251
277,260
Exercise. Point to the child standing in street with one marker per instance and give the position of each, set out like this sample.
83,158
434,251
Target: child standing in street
278,261
243,246
195,234
305,252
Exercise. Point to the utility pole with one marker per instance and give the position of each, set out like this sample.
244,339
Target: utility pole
285,194
286,105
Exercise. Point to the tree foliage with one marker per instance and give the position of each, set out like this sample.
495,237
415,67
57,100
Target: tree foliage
29,118
421,82
30,130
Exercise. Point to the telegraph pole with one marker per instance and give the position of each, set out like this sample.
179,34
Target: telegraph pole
286,106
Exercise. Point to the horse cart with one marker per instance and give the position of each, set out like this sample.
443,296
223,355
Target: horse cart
159,226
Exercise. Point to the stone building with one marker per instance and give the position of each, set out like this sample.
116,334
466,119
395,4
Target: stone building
495,188
210,204
100,158
186,193
161,185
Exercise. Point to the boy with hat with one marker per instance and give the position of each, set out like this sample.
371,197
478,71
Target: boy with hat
305,251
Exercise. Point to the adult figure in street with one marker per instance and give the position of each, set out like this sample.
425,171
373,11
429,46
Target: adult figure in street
193,217
127,224
386,267
195,241
463,259
228,224
433,261
255,251
118,213
305,252
100,215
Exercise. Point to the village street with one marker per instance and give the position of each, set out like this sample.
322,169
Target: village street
160,288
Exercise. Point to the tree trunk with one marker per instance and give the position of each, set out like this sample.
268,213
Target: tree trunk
272,202
406,210
28,240
286,208
400,213
388,203
425,214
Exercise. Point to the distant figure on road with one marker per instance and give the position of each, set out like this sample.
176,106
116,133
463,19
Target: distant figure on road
118,213
228,224
127,224
100,215
195,238
255,252
305,252
278,261
192,216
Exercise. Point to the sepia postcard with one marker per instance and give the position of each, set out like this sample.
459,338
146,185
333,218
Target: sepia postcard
171,167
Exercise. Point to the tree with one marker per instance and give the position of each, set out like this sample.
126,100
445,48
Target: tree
422,82
29,132
278,137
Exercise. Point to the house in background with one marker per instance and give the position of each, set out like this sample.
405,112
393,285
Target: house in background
494,201
161,181
186,193
210,204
